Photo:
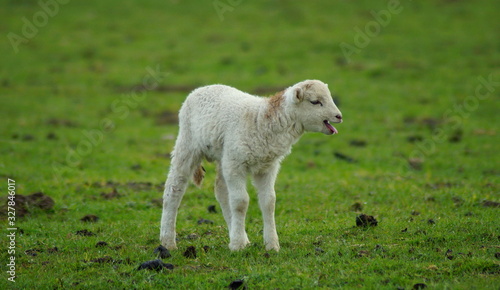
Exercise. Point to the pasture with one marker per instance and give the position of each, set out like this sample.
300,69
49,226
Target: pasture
89,94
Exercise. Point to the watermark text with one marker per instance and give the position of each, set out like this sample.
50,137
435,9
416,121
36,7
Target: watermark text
11,230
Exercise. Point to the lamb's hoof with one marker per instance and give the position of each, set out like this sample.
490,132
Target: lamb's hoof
238,246
167,243
273,247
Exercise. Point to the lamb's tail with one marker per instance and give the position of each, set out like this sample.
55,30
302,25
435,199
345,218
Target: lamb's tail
198,176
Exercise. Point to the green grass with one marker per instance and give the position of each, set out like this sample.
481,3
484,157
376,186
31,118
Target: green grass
82,66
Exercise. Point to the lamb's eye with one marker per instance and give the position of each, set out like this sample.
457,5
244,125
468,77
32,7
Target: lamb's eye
316,103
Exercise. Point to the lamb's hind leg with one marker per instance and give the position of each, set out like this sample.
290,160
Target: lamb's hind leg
181,169
235,178
172,196
264,182
221,193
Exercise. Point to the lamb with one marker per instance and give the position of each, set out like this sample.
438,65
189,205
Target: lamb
243,134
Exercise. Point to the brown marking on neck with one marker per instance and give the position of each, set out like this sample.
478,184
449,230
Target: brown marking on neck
274,104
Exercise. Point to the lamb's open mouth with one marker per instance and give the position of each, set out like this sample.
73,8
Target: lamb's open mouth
330,127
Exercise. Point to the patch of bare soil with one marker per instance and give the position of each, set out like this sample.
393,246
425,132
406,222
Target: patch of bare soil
90,218
101,244
344,157
162,252
84,233
358,143
357,207
212,209
490,203
156,265
61,123
190,252
111,195
25,204
364,220
205,221
237,284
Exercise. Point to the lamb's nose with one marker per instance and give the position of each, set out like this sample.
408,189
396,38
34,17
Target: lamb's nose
339,117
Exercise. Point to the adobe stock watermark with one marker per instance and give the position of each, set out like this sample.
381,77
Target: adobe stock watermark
372,29
39,19
223,6
11,229
120,110
455,117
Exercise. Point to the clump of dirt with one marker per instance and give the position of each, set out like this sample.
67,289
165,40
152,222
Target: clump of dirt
113,194
101,244
35,252
489,203
190,252
136,167
52,136
419,286
456,136
357,143
449,254
90,218
357,206
192,236
344,157
61,123
319,251
431,123
414,138
212,209
40,200
204,221
25,137
237,284
156,265
364,220
363,253
25,204
85,233
162,252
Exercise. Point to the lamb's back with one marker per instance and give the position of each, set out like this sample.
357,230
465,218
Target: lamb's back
213,114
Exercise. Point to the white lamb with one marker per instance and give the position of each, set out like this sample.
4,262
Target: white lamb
243,134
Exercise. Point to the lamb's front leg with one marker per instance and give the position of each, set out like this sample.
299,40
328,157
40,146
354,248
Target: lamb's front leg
264,182
238,201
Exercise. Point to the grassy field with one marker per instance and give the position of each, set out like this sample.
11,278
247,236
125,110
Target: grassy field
89,92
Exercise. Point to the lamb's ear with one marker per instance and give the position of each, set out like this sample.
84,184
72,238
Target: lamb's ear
297,95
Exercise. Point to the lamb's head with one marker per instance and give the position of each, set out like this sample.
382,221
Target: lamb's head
313,106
